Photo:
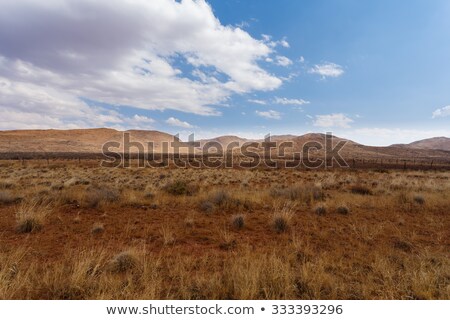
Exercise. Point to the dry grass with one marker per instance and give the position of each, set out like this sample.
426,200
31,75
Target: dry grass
261,239
30,216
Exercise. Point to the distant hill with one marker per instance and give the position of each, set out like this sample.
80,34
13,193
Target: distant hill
438,143
80,140
92,140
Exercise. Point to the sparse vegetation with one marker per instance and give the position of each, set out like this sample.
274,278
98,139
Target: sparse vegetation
144,234
30,216
180,188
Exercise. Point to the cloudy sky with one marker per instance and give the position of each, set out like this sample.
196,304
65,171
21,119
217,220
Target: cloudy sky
377,72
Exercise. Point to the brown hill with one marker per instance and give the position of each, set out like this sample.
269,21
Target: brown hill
82,140
92,140
438,143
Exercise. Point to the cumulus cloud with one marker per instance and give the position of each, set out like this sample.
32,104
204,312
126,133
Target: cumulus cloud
441,112
286,101
335,120
283,61
178,123
327,70
270,114
271,43
122,53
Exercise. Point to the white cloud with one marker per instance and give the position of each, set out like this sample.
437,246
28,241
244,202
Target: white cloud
270,114
442,112
283,61
256,101
284,43
286,101
301,59
326,70
271,43
178,123
332,121
122,53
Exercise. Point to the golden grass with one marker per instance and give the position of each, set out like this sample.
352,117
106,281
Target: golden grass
87,232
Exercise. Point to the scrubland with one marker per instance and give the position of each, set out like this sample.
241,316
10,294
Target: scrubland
78,231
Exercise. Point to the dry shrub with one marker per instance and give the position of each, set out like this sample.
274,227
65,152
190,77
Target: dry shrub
360,189
206,206
227,240
30,216
7,185
97,228
305,194
167,235
94,196
419,199
282,217
7,197
238,221
320,209
124,262
220,198
180,188
343,209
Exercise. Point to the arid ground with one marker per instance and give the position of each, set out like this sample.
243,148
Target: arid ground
72,230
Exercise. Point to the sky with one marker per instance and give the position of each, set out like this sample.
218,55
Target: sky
376,72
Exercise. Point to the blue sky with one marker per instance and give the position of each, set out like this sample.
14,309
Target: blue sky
377,72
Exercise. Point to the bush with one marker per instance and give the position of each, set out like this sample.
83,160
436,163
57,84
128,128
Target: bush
282,219
220,198
343,209
206,206
238,221
180,188
305,194
7,198
320,209
97,195
360,189
30,217
123,262
419,199
98,228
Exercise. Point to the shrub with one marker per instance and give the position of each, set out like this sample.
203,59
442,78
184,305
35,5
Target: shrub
320,209
238,221
97,195
220,197
419,199
30,217
7,198
306,193
206,206
282,219
343,209
98,228
360,189
123,262
180,188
